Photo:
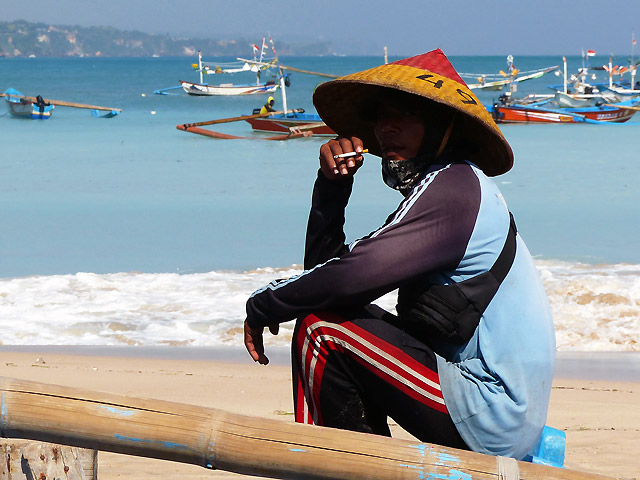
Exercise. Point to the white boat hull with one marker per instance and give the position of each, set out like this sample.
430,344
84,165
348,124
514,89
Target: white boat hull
29,110
199,89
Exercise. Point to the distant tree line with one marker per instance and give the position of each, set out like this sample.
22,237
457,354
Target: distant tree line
25,39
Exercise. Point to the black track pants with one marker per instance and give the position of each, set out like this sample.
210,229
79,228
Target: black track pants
355,369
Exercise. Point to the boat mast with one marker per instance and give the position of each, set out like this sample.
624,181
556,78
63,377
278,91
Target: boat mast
633,66
582,77
283,85
564,63
610,73
512,85
283,91
200,66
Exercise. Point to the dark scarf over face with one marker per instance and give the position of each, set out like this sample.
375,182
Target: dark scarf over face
405,174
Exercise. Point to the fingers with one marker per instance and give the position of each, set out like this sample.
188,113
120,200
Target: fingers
334,164
253,344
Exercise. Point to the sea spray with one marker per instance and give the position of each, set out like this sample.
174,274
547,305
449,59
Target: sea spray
595,308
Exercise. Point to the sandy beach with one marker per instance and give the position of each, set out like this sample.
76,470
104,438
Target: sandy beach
600,416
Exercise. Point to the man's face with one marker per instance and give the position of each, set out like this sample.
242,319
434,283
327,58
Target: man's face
399,130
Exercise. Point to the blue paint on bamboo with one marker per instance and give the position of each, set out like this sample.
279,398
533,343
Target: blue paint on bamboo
447,458
441,459
451,475
170,445
3,415
297,450
118,411
210,455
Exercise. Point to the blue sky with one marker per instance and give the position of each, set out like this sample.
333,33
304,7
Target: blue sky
406,27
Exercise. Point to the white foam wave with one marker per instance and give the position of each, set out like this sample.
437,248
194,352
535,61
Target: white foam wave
595,307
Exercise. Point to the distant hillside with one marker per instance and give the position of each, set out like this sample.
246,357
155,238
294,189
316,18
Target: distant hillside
24,39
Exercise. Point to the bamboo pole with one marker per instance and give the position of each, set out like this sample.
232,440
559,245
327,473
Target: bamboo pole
236,119
293,69
237,443
621,106
62,103
225,136
319,74
306,126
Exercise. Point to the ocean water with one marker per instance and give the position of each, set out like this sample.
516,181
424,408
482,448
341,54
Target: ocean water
126,231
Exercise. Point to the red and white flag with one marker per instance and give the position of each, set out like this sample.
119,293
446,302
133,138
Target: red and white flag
591,53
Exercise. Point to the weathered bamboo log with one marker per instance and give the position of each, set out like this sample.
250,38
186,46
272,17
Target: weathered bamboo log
238,443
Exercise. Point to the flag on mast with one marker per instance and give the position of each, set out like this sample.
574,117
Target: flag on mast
273,47
591,53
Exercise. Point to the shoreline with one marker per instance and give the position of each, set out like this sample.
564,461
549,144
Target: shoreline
578,365
600,417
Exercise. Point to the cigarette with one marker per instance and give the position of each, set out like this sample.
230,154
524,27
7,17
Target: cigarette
351,154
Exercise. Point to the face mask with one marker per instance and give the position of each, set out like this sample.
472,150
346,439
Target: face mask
404,175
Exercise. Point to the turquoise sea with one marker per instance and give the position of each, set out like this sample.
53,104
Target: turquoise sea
128,231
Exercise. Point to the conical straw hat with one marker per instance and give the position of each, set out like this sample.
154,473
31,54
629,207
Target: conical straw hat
430,75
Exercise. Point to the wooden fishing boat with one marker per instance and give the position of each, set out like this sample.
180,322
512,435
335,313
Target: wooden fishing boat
40,108
289,121
282,135
548,112
286,124
587,106
292,121
21,107
200,89
497,81
241,66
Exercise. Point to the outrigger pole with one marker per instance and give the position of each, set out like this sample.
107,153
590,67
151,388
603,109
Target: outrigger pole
297,132
233,119
284,67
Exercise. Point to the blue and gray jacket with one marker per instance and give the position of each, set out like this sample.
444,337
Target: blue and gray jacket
495,350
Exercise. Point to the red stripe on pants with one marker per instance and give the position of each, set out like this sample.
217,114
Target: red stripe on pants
320,334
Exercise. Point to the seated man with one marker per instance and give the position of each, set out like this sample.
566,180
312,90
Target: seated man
268,107
468,360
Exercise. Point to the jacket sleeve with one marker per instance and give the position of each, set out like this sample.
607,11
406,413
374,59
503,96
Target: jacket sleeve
325,228
428,232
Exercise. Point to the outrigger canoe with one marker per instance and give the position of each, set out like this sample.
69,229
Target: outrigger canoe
39,108
21,107
547,112
204,89
296,120
223,89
